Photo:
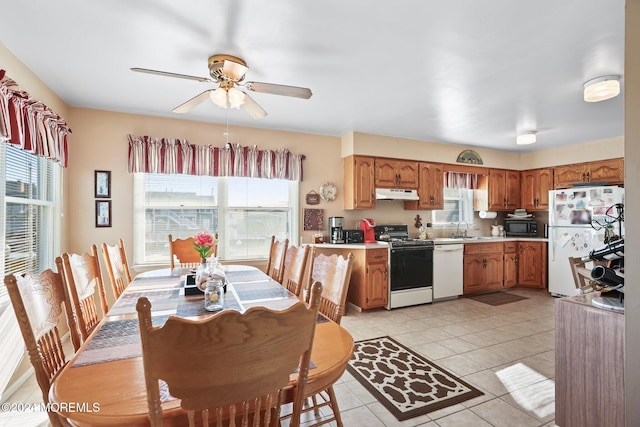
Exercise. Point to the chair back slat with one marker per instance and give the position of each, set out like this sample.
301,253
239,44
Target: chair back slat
254,352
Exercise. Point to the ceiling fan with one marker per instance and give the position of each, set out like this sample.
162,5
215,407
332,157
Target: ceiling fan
229,72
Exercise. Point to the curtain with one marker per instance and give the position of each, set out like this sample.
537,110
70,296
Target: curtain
460,180
31,125
177,156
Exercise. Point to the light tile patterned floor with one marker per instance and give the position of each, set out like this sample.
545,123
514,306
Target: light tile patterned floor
506,351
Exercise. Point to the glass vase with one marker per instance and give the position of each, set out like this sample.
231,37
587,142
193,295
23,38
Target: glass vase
214,295
202,273
216,271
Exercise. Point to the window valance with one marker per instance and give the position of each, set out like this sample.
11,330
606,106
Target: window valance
177,156
460,180
30,124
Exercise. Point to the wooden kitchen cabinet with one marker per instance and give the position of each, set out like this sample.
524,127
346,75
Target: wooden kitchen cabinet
483,267
609,171
377,279
510,278
430,188
391,173
369,284
359,182
536,184
532,264
504,190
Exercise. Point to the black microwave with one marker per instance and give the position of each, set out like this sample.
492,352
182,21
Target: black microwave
521,227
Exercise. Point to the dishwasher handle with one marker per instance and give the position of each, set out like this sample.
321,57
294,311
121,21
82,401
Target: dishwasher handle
448,248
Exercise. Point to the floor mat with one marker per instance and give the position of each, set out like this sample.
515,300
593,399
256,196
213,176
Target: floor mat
406,383
497,298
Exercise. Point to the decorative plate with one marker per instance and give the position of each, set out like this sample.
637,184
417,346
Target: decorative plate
469,156
328,192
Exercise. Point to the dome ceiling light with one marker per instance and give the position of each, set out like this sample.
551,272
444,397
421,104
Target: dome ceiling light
601,88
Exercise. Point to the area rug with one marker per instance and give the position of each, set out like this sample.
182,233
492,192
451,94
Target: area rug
406,383
497,298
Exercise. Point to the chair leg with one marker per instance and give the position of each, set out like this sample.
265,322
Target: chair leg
334,406
316,410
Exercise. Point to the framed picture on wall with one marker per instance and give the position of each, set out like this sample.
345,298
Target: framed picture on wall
103,213
103,184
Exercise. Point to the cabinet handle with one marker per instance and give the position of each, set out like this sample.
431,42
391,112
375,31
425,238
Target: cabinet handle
588,179
484,262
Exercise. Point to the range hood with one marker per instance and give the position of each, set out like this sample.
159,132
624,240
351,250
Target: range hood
396,194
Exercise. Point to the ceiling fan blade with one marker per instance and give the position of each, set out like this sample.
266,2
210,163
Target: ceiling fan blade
252,107
298,92
167,74
234,71
193,102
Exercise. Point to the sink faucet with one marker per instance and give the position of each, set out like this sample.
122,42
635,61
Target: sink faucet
465,231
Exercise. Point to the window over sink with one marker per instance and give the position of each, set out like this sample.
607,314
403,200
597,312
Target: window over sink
458,206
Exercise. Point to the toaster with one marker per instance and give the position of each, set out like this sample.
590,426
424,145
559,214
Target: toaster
353,236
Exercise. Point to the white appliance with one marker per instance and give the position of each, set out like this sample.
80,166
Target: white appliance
447,271
571,234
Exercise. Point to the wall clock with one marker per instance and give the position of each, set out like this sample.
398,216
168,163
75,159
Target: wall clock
328,192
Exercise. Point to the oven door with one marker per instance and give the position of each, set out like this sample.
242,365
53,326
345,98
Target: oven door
411,268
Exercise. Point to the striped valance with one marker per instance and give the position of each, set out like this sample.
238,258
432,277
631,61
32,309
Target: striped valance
177,156
30,124
460,180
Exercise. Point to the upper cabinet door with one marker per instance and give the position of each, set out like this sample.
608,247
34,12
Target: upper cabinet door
359,185
535,185
430,189
392,173
497,190
512,189
608,171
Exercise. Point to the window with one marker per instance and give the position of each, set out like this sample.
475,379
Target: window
245,212
458,206
30,198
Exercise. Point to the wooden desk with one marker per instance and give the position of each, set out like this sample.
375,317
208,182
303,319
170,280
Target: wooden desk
91,391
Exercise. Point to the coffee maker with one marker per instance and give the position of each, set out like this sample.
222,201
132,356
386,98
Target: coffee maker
336,225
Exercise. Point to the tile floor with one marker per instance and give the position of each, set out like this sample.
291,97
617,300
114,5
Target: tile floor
505,351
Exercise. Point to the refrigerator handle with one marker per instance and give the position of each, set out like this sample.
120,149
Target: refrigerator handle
552,243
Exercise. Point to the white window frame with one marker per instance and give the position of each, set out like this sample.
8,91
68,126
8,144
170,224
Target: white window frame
222,226
465,211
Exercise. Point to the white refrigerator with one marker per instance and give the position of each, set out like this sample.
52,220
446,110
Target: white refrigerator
577,220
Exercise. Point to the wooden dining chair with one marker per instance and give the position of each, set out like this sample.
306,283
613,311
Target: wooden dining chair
236,364
335,271
184,253
115,257
275,264
81,276
38,302
295,262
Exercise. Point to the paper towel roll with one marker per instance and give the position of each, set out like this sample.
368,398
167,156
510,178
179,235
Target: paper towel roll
487,214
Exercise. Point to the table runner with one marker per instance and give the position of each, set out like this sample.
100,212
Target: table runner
120,338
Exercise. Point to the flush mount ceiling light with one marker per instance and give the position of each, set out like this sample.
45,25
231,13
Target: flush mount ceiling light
601,88
526,138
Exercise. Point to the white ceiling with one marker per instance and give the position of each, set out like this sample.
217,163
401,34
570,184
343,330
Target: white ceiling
466,72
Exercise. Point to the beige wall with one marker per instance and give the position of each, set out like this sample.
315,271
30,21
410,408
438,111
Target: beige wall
632,207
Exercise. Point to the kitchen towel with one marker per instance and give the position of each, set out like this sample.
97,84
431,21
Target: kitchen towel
487,214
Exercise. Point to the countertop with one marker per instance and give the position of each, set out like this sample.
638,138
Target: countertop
437,241
484,239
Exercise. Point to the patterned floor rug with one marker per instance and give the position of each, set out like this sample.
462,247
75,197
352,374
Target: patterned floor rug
497,298
406,383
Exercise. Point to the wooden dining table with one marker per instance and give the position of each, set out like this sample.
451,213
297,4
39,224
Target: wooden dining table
103,383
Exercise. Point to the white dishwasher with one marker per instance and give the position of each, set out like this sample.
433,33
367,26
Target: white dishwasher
447,271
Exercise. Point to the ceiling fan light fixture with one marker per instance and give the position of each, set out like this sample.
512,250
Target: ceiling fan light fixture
526,138
601,88
236,98
219,97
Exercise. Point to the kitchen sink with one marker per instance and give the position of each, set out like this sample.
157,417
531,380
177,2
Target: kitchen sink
462,239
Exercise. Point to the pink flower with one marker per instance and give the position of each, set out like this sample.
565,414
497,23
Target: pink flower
203,242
